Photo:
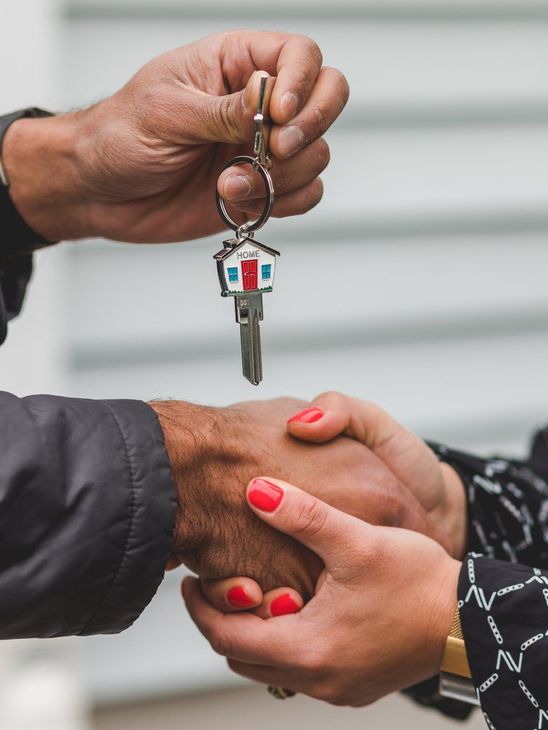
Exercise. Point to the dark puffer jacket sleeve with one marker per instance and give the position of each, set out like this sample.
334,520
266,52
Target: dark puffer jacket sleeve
87,512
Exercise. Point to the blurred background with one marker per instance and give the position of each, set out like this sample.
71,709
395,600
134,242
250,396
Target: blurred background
429,292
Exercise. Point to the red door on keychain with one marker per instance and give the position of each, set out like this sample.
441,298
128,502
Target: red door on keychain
249,274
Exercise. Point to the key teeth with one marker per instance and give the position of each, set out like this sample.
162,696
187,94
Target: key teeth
249,314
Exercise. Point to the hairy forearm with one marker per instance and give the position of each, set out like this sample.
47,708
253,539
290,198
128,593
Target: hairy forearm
41,160
199,450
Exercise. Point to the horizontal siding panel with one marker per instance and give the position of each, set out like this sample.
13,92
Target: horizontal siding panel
428,385
432,64
130,297
398,172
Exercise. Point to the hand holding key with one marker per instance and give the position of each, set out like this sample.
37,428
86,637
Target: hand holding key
142,164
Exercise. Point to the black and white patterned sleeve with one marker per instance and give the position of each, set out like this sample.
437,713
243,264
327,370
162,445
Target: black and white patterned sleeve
507,503
503,587
504,615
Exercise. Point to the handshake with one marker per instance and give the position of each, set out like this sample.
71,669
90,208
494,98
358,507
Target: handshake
349,522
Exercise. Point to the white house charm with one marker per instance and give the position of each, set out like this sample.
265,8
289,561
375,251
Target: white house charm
245,266
246,269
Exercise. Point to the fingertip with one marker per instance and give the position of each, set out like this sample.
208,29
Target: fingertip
280,602
315,424
230,595
243,596
187,586
264,494
286,604
252,90
309,415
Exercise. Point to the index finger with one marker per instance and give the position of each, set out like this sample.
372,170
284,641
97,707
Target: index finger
298,68
294,59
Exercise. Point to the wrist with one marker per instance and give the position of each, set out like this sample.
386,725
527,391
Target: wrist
41,163
200,453
445,606
455,512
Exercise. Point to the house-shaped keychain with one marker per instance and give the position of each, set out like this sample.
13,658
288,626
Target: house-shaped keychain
245,266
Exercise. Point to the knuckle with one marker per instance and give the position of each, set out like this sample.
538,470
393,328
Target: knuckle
318,192
329,692
320,122
227,118
313,49
333,399
311,517
324,154
341,84
221,644
395,508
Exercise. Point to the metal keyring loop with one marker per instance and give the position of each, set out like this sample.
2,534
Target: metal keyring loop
250,226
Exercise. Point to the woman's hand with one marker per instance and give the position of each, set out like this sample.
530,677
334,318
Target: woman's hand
436,485
143,164
378,621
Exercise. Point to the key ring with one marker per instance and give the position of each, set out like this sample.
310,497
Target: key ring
261,163
250,226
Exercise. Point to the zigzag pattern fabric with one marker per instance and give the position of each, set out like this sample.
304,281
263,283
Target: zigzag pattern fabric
503,586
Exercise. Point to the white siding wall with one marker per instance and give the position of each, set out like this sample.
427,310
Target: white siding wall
429,251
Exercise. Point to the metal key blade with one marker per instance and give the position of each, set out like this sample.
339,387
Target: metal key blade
249,313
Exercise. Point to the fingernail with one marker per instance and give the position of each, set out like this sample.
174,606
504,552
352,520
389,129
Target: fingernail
309,415
290,140
283,605
236,187
238,598
252,85
265,496
289,103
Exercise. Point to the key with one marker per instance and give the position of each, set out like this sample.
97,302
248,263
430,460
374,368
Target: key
246,269
249,313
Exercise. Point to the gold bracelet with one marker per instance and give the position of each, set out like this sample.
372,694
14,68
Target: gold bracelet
3,177
455,660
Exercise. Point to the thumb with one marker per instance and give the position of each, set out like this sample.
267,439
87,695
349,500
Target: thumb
229,118
325,530
407,456
332,414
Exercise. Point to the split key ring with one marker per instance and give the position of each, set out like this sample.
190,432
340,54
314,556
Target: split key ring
244,230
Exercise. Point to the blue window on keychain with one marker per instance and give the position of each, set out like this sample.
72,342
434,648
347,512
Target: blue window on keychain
266,271
233,273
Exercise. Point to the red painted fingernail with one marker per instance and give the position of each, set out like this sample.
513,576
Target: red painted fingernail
283,605
238,598
264,495
309,415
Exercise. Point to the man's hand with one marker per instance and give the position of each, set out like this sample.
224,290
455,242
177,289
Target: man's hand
215,452
378,622
142,165
436,485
